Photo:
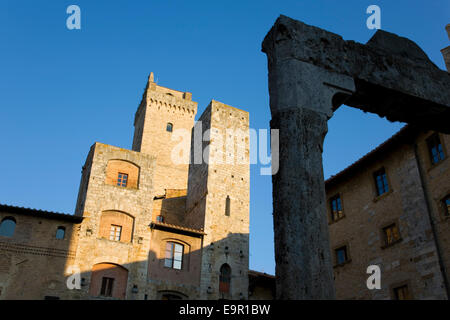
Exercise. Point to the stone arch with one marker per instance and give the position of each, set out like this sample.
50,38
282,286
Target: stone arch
116,167
108,280
119,222
171,295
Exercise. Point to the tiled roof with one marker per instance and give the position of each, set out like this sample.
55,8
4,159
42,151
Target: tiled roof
40,213
164,225
260,274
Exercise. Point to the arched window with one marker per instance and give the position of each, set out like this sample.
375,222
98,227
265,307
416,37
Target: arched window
60,233
174,255
169,127
7,227
225,278
227,206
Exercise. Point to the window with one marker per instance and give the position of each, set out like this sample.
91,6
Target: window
174,255
107,287
435,148
224,278
446,203
115,233
169,127
402,293
60,233
159,219
122,180
7,227
227,206
391,234
381,182
341,255
336,208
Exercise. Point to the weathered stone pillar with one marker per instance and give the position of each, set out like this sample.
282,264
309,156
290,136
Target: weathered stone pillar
311,73
303,262
301,98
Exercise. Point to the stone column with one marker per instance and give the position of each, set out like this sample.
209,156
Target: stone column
303,260
301,101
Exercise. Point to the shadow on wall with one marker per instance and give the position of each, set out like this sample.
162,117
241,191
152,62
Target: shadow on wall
173,270
34,264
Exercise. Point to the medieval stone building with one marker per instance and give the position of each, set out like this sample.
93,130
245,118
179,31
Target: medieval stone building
148,223
391,208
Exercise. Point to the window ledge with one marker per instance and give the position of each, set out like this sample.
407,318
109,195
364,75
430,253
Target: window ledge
437,164
385,246
378,198
337,220
116,242
342,264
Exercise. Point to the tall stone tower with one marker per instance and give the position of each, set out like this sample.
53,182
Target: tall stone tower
218,199
446,51
162,126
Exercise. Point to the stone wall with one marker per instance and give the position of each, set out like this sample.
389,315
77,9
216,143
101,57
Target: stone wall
33,263
227,236
414,259
159,107
101,197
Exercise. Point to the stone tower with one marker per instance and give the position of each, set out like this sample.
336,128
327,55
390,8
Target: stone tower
218,199
163,124
446,51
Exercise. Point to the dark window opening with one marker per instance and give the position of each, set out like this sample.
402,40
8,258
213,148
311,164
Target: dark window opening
435,148
122,180
107,287
381,182
227,206
341,255
391,234
7,227
60,233
174,255
402,293
336,208
169,127
225,278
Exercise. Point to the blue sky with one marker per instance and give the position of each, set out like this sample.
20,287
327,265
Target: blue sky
61,90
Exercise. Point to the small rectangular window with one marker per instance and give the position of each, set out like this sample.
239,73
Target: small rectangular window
435,149
227,206
107,287
402,293
336,208
381,182
115,233
391,234
122,179
341,255
60,233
